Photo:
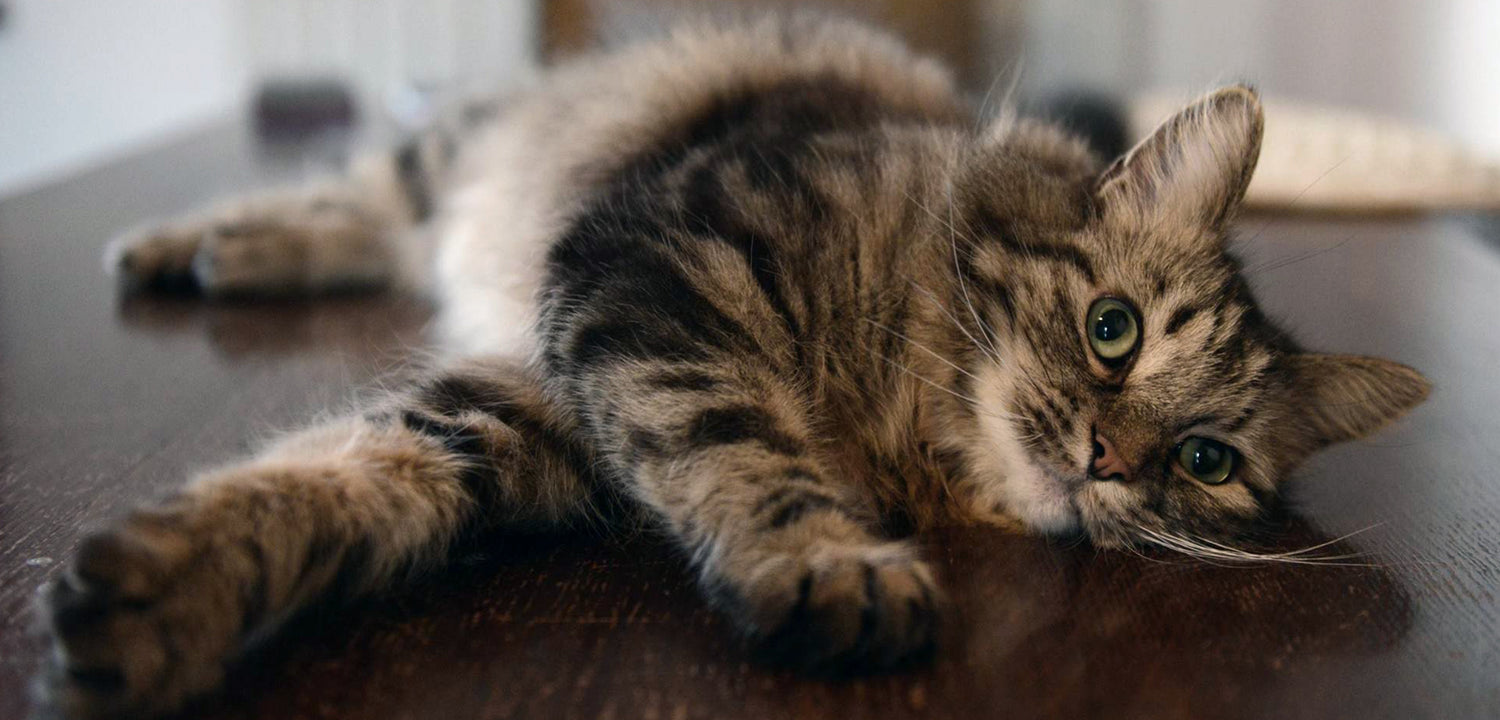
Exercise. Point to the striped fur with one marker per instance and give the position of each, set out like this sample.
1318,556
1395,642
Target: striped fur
774,290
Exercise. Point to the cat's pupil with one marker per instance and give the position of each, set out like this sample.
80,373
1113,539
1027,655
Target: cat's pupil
1113,323
1206,459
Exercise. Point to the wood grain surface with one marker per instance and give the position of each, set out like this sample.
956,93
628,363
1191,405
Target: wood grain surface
105,403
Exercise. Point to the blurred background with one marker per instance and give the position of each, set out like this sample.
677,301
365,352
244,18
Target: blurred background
83,82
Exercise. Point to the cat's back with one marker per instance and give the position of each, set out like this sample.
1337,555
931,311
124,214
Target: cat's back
596,113
552,149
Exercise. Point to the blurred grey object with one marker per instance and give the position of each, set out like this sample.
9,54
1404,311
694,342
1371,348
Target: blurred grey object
303,106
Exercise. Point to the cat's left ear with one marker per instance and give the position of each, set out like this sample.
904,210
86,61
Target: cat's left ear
1194,169
1337,398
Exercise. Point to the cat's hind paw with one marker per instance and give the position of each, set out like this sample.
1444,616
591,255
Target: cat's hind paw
159,258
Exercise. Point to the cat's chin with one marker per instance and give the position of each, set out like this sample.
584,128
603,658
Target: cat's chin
1099,507
1039,500
1043,501
1019,495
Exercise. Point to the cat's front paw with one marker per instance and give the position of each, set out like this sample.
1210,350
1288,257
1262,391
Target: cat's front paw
138,625
841,608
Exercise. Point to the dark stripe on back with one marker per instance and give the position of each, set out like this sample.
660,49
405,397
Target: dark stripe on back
641,443
614,340
706,213
667,318
683,379
780,116
737,424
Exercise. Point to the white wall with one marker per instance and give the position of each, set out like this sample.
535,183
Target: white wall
1467,71
386,48
85,80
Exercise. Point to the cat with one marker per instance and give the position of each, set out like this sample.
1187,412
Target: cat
773,288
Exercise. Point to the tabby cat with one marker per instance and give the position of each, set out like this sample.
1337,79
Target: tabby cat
774,289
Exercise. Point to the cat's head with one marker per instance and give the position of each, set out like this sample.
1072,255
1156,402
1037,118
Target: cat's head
1131,387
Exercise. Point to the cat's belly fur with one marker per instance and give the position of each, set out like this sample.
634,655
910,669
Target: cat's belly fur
489,266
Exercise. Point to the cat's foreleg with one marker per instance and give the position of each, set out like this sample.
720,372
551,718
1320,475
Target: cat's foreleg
729,459
151,611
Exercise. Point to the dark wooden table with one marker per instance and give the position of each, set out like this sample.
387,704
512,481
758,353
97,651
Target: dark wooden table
105,403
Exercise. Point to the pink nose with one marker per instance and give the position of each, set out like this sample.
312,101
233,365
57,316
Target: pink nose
1107,464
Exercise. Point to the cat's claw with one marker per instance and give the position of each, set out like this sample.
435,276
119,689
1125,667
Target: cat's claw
845,609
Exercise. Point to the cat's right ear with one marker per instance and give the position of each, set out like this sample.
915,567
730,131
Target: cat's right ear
1337,398
1193,169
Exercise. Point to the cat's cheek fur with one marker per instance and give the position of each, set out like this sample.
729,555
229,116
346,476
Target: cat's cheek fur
1006,482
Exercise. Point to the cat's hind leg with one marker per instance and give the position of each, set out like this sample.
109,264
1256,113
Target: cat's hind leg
352,232
151,611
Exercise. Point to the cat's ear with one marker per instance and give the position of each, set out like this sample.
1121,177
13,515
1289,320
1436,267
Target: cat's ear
1194,169
1336,398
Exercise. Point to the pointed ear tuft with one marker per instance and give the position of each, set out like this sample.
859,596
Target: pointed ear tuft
1346,397
1194,168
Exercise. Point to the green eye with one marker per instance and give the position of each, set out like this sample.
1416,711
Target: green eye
1207,461
1113,330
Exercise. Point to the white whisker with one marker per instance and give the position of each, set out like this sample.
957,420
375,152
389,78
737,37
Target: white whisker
973,403
908,371
932,297
923,348
953,235
1306,550
1210,551
963,285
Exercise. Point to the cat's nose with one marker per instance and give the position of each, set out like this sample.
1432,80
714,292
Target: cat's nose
1107,464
